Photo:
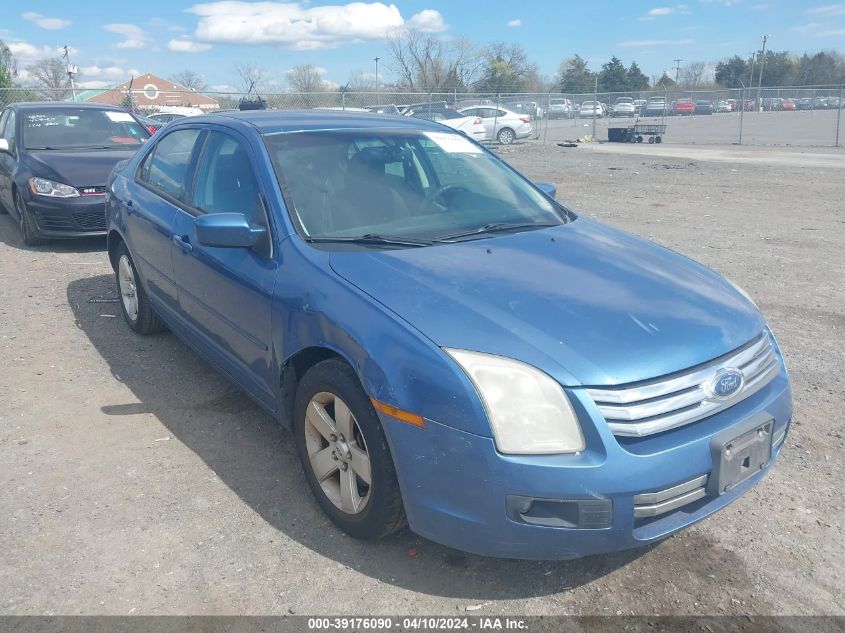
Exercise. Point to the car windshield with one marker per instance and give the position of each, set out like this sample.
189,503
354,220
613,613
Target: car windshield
81,128
413,185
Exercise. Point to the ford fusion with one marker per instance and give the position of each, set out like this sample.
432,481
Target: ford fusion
451,348
55,159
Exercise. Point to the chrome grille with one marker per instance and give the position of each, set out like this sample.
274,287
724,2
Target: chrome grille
651,504
660,405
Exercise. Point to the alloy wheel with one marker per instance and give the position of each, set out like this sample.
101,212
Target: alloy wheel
338,453
128,288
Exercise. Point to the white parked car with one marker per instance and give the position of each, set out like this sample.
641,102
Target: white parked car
590,109
560,108
501,125
472,126
624,106
723,106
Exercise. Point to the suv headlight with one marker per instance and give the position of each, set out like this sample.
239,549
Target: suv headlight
528,411
52,189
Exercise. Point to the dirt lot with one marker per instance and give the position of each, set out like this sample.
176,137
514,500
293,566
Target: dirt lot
134,480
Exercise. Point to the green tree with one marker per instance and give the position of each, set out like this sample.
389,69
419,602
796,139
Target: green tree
613,77
665,82
820,69
780,69
635,78
507,69
7,64
574,77
733,72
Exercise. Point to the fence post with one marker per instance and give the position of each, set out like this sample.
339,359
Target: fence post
549,117
741,112
839,113
343,100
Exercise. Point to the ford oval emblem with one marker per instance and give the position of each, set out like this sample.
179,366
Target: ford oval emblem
725,383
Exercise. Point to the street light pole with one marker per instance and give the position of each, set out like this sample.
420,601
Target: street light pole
378,97
762,65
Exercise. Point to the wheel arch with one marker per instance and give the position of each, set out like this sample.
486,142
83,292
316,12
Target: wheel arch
113,241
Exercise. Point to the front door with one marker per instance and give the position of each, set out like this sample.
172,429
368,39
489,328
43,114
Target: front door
226,293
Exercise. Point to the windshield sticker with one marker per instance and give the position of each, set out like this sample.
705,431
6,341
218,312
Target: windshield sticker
453,143
120,117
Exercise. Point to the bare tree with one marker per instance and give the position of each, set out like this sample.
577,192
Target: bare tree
426,62
360,81
251,76
189,79
692,75
306,78
52,78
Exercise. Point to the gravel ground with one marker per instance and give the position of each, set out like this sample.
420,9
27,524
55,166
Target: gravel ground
135,480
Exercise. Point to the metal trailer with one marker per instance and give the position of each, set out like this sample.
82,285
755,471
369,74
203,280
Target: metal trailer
654,132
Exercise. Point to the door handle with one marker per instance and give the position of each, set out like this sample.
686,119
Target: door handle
182,242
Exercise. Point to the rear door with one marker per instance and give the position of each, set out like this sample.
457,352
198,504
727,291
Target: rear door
161,184
7,159
226,293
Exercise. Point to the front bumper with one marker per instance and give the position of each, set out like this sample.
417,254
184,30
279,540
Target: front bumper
459,491
84,216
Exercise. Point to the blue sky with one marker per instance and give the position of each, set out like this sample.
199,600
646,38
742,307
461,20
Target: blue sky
110,41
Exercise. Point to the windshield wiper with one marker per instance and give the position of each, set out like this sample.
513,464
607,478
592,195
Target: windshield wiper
496,227
371,238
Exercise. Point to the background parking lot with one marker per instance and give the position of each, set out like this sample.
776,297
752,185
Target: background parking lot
135,480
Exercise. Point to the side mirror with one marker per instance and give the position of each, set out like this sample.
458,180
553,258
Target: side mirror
227,230
547,188
4,146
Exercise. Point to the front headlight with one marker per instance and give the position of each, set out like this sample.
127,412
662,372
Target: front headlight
528,411
52,189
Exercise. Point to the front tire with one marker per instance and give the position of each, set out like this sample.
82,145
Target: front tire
134,304
30,233
344,453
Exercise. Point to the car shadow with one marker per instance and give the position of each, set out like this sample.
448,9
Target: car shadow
10,235
256,459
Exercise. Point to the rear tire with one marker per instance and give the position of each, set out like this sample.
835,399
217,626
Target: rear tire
506,136
134,304
30,233
330,403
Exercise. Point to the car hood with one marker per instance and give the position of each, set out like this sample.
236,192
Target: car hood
78,168
586,303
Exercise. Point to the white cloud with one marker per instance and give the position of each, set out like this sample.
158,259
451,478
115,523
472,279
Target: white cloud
297,26
807,28
516,22
27,53
103,72
660,11
187,45
167,25
52,24
828,10
725,3
133,35
635,43
427,20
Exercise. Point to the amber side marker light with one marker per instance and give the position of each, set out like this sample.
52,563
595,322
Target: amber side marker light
399,414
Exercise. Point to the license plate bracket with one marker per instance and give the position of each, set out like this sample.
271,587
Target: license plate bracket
739,453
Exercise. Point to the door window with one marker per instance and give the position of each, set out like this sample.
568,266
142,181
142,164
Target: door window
166,168
8,128
225,181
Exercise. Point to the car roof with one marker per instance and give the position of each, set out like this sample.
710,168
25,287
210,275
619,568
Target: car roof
276,121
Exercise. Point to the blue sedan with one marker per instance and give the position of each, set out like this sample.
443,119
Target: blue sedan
451,348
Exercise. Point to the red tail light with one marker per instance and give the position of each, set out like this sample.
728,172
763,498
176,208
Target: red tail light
152,128
525,119
477,122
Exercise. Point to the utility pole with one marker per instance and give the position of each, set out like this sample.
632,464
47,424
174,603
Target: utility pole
595,105
71,71
677,68
762,65
378,97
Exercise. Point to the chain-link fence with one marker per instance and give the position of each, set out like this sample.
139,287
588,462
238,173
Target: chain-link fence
799,116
